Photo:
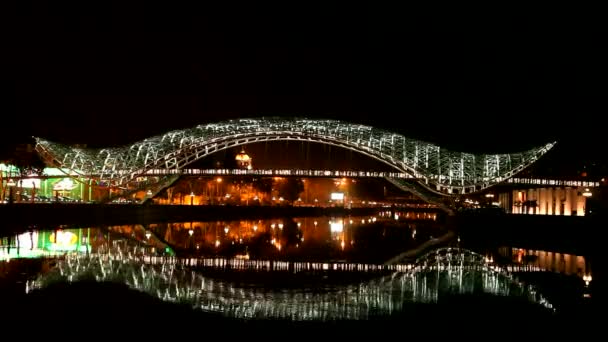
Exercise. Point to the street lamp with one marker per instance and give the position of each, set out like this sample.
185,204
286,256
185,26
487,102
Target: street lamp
192,198
587,193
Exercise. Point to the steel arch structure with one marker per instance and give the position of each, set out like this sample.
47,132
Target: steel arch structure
439,169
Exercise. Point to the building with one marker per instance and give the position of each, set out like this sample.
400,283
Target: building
243,160
543,196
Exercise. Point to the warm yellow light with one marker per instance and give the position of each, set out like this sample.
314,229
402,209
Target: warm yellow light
242,156
219,179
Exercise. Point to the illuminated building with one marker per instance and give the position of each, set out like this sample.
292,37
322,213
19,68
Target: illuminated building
243,160
544,196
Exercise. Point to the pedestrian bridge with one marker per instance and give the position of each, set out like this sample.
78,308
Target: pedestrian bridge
435,168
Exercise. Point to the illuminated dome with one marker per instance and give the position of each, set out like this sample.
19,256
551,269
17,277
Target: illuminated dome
243,160
242,156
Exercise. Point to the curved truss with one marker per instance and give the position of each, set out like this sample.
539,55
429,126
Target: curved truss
441,272
447,171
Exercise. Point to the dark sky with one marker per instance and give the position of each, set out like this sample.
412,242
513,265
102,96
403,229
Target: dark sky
497,81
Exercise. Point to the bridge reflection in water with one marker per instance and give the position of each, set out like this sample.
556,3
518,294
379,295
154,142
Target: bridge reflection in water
440,273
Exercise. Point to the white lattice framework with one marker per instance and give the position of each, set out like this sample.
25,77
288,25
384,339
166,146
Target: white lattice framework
437,168
442,272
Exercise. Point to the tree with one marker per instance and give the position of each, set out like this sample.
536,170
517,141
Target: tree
291,189
30,168
263,185
28,162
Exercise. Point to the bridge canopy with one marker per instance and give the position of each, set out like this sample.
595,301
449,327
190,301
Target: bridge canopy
439,169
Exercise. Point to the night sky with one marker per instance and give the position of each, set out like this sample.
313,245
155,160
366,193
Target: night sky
499,81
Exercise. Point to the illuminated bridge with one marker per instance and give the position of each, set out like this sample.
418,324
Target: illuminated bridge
438,169
279,173
440,272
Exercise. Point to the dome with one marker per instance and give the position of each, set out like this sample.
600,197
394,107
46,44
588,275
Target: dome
243,156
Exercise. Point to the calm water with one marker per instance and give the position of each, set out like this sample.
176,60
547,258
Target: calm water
320,268
367,239
442,272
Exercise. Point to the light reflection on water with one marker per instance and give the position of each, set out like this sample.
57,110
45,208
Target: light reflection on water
363,238
441,272
568,264
353,238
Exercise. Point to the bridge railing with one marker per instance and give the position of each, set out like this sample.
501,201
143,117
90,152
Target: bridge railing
279,172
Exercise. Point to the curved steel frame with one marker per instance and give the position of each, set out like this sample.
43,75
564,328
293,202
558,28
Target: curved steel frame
445,171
